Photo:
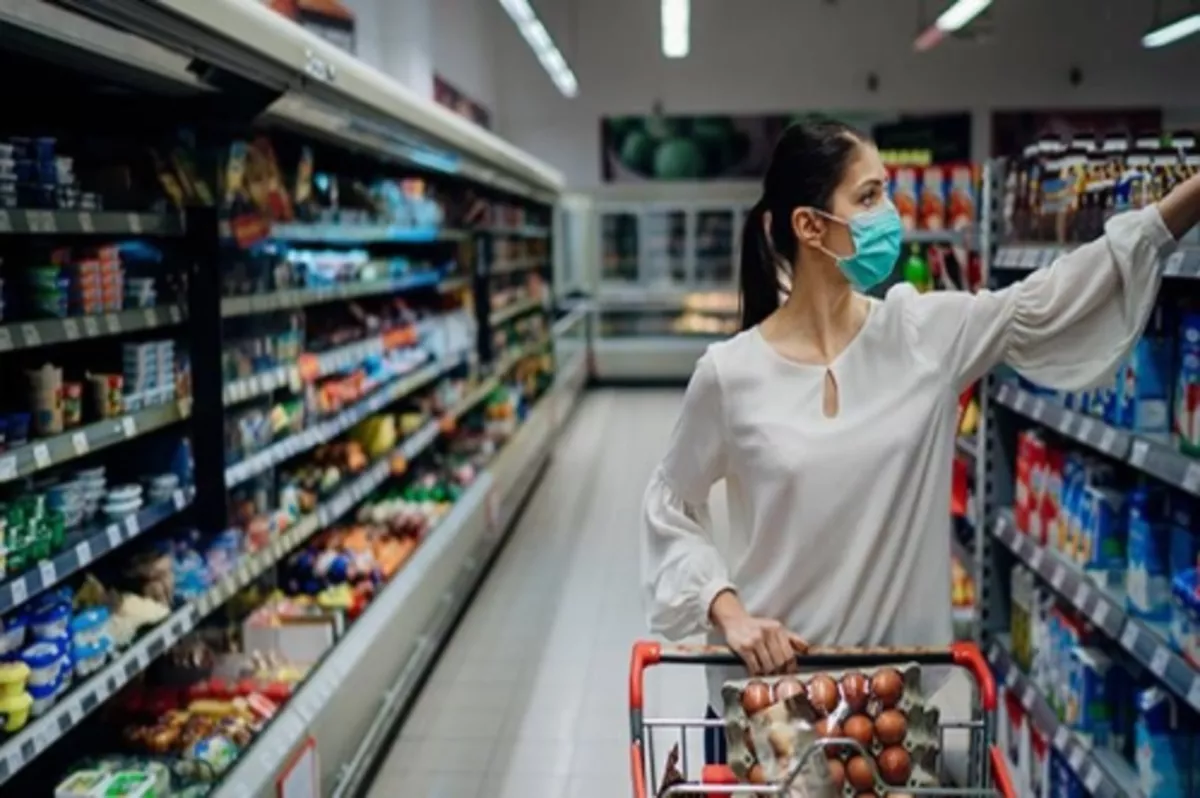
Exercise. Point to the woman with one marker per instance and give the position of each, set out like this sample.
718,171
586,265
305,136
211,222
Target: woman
832,415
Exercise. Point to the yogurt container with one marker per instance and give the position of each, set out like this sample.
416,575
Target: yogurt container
14,711
12,636
44,661
13,678
89,627
43,696
51,621
89,658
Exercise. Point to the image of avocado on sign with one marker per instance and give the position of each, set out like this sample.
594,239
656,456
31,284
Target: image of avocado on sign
650,147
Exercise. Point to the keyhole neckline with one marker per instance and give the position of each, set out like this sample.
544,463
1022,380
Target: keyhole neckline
832,365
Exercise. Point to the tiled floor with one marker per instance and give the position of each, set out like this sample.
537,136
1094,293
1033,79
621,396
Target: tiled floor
530,697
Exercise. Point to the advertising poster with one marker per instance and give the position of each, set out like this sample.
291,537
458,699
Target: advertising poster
446,94
727,147
329,19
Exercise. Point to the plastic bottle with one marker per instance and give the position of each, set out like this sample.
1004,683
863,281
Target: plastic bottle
916,270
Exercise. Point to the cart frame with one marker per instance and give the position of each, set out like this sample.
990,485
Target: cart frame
993,778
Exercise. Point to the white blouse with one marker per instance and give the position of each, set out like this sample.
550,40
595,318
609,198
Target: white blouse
839,526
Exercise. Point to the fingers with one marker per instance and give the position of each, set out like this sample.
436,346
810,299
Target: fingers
779,651
799,644
753,662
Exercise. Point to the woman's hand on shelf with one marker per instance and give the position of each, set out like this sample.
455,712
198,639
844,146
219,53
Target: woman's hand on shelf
764,644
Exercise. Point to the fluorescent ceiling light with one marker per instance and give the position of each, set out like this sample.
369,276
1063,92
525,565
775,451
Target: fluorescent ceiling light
538,39
676,24
957,16
1173,32
954,18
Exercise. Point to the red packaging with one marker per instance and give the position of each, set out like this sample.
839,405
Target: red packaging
1050,516
933,199
905,191
963,191
1030,453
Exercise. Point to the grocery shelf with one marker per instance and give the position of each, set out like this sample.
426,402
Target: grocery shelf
410,618
85,547
512,267
22,748
1105,608
46,332
1183,263
38,455
323,364
952,237
19,221
1152,458
301,297
325,431
1103,776
510,312
337,233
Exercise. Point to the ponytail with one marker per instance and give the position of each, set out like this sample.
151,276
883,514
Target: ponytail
758,277
806,167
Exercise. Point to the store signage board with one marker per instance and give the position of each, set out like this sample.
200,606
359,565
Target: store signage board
301,776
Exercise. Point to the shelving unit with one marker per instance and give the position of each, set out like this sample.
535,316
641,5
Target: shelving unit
1095,600
447,323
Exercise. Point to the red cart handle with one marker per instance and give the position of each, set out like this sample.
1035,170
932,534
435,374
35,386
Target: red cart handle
964,655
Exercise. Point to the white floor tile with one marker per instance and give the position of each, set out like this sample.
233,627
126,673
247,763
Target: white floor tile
531,698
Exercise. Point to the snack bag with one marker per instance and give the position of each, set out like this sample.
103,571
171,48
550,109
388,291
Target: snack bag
777,725
933,199
905,191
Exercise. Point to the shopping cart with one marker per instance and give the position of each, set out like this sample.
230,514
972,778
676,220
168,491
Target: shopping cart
988,777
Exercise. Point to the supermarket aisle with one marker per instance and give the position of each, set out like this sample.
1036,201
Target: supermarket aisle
530,698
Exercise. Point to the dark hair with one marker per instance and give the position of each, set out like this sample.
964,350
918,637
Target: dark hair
806,167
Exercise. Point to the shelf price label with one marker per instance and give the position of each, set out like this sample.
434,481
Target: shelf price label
1058,577
1085,429
1129,637
1100,613
1092,780
1077,757
83,553
30,335
91,326
71,329
1082,594
19,591
47,572
1108,440
41,456
1061,738
1141,451
1159,662
1191,479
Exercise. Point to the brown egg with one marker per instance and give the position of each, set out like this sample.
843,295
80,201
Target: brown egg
823,694
788,687
756,697
860,774
895,765
837,773
856,690
888,686
891,726
756,774
860,729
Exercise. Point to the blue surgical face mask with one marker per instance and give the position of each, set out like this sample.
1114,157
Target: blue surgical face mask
877,235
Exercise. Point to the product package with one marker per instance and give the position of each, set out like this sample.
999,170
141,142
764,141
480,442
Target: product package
773,725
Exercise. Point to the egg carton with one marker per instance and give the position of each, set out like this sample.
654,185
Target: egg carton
777,721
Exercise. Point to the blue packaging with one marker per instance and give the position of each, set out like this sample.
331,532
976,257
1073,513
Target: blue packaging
1185,616
1143,402
1103,538
1162,746
1089,706
1184,548
1148,580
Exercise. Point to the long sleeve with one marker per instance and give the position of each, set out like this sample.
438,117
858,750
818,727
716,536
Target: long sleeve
1067,326
682,571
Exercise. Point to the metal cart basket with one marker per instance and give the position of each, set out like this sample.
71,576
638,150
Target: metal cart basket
989,776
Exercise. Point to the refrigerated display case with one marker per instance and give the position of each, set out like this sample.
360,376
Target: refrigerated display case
665,276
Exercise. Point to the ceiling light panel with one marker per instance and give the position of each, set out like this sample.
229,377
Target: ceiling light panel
1172,32
676,28
544,49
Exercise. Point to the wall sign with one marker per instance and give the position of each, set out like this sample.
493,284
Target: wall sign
329,19
645,148
444,93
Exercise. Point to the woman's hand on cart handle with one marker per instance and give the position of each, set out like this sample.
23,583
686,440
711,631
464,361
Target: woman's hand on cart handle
1181,208
764,644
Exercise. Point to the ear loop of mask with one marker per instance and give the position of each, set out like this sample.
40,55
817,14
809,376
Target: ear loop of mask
844,223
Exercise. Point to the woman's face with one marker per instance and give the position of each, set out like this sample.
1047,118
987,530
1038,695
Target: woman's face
863,188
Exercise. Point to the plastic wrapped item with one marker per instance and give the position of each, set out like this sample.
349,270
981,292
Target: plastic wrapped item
774,725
